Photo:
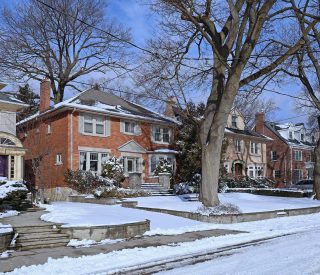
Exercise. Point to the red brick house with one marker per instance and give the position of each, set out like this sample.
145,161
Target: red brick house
84,131
290,155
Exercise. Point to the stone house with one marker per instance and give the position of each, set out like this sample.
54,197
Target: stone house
84,131
11,149
290,155
245,151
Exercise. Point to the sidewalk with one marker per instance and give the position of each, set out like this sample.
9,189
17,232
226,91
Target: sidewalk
40,256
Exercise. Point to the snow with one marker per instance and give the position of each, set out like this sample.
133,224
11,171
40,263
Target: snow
8,214
88,243
247,203
73,214
274,257
166,151
5,254
5,228
106,263
8,187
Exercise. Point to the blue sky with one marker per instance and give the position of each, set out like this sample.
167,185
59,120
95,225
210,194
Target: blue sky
135,15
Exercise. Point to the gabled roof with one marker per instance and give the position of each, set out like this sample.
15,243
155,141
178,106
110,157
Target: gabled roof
94,100
132,147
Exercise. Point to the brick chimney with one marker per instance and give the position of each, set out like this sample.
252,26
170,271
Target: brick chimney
170,103
260,119
45,90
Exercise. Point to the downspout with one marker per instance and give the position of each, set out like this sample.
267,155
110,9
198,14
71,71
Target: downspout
291,167
71,140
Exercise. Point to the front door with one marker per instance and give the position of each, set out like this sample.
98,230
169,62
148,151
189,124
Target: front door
3,166
238,167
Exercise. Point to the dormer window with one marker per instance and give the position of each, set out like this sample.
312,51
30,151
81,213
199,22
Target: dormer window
312,139
290,135
302,137
234,121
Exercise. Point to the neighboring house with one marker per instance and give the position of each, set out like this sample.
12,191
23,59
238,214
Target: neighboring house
11,149
290,155
86,130
244,150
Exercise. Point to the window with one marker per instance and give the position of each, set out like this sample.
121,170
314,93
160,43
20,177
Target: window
132,164
234,121
274,156
94,125
297,175
277,173
161,134
297,155
12,167
251,171
130,127
312,139
238,145
58,159
290,135
5,141
255,171
254,148
92,161
156,159
302,137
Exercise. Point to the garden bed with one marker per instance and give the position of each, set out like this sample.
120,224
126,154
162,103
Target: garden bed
91,199
272,192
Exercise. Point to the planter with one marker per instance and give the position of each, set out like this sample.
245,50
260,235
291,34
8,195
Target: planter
84,199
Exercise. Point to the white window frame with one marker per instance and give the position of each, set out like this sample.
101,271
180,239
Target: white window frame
59,159
49,130
254,148
297,155
94,120
160,157
234,119
161,128
272,156
102,157
134,124
291,135
238,146
274,174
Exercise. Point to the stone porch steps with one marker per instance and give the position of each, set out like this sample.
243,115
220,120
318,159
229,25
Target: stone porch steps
155,189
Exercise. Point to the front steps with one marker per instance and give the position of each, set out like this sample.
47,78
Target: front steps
155,189
39,236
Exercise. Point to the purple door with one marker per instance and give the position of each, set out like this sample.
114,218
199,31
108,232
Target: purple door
3,166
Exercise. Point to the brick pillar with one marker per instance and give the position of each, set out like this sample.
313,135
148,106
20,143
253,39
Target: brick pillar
45,90
260,119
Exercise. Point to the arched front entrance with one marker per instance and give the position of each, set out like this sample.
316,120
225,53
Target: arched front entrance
11,157
238,169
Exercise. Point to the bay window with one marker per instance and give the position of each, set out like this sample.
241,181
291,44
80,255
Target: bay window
154,161
92,161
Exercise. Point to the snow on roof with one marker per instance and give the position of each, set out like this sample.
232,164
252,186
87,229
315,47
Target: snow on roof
167,151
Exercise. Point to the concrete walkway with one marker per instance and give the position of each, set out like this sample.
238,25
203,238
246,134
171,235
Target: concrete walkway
40,256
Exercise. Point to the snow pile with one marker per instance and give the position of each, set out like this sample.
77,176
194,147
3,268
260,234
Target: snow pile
88,243
6,254
5,228
7,187
8,214
117,192
220,209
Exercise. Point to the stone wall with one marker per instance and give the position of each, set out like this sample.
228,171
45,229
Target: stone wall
98,233
5,240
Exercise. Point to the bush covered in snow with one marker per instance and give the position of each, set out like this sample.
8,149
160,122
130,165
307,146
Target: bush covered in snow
188,187
116,192
220,209
163,167
243,182
13,195
85,182
113,171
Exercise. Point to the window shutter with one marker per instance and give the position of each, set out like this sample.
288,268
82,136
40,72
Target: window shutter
122,126
107,125
137,129
81,122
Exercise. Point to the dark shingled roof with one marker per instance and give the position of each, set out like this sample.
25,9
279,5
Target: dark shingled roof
91,96
246,132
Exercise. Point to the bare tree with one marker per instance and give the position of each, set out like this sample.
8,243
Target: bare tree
251,104
61,40
216,48
307,69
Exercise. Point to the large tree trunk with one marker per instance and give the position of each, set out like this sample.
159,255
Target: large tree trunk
316,171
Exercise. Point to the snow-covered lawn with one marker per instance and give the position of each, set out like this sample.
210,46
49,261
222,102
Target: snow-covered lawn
247,203
106,263
85,214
